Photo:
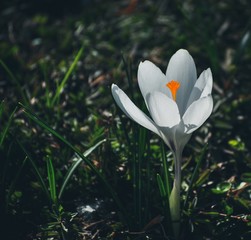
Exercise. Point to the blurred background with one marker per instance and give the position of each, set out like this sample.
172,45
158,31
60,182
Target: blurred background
59,59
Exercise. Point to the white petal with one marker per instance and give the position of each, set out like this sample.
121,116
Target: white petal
202,87
175,137
197,113
209,83
151,78
181,136
163,110
131,110
181,68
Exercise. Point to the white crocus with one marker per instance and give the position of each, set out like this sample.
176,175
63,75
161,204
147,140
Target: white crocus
178,104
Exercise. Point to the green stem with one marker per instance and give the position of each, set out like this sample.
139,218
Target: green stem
175,195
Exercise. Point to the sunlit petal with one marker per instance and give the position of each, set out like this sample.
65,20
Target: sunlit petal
202,87
150,79
197,113
131,110
163,110
209,83
181,68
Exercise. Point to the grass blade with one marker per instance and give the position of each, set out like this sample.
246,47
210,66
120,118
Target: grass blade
34,118
195,173
5,130
37,172
74,167
165,202
67,76
166,171
161,186
51,179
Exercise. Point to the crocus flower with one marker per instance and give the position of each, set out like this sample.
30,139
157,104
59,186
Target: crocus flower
178,104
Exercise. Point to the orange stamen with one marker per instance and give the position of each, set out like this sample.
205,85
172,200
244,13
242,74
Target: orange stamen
173,86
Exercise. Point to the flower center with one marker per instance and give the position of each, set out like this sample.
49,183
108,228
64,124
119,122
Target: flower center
173,86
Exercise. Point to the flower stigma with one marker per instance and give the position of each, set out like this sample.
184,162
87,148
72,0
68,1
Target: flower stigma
173,86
